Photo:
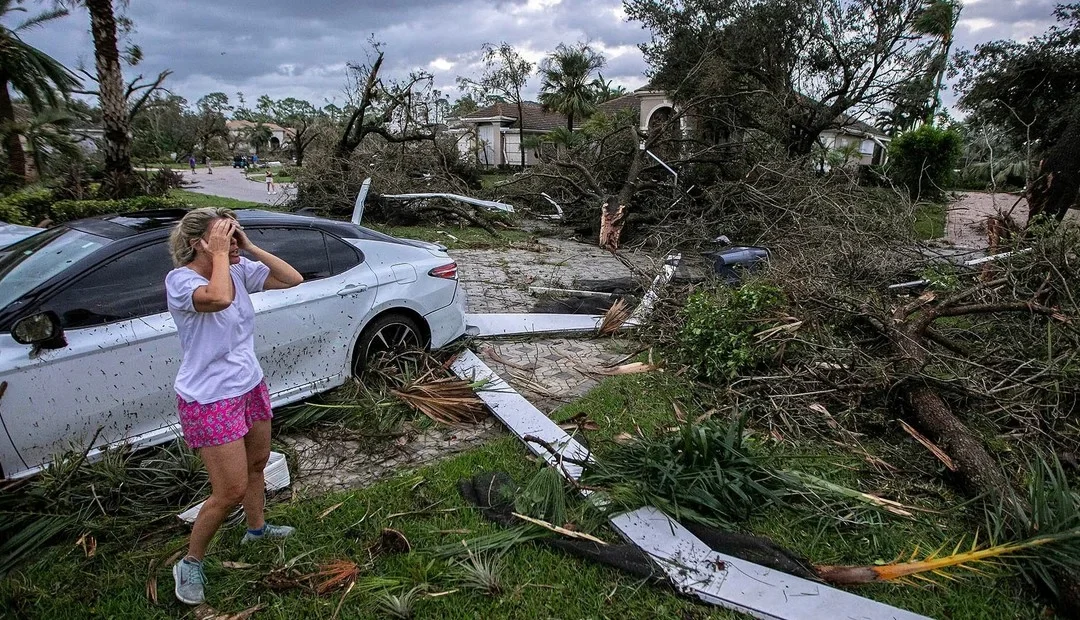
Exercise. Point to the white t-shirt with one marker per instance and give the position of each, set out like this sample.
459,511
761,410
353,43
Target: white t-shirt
219,347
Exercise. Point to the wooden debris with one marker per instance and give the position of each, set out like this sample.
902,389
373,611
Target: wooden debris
559,530
929,445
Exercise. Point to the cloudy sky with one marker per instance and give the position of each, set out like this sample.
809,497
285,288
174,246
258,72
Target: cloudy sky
285,48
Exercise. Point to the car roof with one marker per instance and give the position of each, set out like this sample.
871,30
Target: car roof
118,226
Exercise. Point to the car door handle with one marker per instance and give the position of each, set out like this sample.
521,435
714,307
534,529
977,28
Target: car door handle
353,289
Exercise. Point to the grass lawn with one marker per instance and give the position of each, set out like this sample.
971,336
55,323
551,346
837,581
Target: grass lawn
259,176
197,200
536,581
930,220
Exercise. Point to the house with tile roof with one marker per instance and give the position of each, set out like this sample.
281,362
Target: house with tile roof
490,134
279,136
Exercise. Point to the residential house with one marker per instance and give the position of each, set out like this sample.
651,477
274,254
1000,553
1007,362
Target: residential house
279,136
491,134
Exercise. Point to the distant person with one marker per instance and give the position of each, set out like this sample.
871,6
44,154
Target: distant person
255,159
270,183
191,162
209,168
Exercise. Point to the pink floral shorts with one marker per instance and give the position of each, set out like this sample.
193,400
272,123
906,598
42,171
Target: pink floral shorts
223,421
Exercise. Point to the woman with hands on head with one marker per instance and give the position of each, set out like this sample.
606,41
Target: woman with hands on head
221,395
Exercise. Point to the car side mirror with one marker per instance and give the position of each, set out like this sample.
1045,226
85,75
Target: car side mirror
42,330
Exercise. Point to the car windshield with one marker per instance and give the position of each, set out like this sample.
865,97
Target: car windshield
34,260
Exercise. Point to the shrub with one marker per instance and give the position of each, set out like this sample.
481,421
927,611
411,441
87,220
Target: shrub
27,207
923,160
66,210
717,337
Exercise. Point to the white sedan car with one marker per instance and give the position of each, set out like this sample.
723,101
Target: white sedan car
89,352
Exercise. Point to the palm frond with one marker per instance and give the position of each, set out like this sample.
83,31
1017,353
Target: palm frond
936,564
614,318
446,400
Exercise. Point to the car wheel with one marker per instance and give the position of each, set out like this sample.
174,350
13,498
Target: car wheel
387,335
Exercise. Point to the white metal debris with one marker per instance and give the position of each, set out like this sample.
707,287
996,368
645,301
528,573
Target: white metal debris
691,565
487,204
968,263
529,323
541,290
558,215
276,475
642,311
361,198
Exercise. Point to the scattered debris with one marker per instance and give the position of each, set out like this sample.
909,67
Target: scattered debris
558,209
633,368
614,319
691,565
334,575
644,309
546,290
390,542
503,324
451,237
929,445
559,530
236,565
447,400
88,544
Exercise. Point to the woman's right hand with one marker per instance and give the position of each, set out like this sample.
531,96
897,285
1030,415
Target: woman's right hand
219,237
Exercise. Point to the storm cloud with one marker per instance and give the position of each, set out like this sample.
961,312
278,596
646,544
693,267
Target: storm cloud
284,48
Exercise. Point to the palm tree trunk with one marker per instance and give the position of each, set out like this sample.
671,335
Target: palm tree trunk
570,122
16,156
114,113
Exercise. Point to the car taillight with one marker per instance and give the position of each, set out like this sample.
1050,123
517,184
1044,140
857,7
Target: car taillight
448,272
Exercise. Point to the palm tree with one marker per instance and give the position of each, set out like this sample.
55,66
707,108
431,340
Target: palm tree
938,20
48,136
32,73
115,117
567,81
605,90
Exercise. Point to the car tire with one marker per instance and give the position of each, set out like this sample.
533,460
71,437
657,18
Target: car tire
387,333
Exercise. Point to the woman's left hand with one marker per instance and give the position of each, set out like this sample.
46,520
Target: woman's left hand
242,240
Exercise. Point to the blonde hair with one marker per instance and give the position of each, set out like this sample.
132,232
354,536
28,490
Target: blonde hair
190,227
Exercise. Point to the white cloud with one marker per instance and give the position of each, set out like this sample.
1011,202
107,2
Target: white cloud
977,23
441,64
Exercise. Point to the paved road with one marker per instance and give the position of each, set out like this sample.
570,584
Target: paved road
230,183
965,220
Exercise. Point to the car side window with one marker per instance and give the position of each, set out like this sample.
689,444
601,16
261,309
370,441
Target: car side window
126,287
303,248
343,256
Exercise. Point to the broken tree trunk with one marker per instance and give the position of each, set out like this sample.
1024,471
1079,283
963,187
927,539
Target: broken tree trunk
613,211
979,472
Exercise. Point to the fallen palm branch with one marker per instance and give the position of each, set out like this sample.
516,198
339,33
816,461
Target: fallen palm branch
971,560
447,400
336,574
614,318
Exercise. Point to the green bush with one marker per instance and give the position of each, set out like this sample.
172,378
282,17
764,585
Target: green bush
66,210
717,337
27,206
923,160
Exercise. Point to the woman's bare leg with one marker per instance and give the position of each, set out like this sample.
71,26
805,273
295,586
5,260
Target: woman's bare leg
257,448
228,468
